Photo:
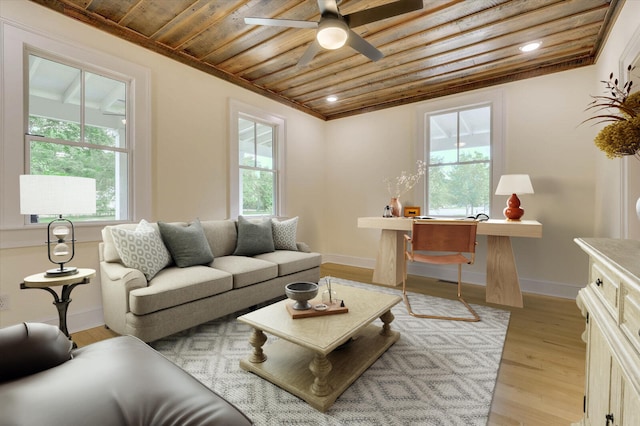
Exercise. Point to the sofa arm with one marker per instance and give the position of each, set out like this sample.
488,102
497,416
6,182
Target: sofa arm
117,272
117,281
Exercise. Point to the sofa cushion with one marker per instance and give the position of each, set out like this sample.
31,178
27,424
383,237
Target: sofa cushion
141,248
174,286
290,262
254,237
284,233
186,243
28,348
222,236
246,270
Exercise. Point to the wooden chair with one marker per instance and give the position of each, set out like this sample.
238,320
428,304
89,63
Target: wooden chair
445,241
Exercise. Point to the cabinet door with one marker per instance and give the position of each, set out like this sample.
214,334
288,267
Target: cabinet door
630,406
598,376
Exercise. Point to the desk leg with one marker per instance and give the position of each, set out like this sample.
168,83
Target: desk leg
503,285
390,260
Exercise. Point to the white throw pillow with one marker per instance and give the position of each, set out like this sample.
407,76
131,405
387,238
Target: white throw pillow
141,248
284,233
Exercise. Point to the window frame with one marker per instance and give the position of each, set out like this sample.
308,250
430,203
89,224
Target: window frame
493,98
17,43
239,110
82,143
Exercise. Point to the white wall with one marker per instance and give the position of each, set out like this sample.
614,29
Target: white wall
542,138
335,169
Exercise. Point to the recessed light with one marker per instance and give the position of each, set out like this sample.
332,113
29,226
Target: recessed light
530,47
332,98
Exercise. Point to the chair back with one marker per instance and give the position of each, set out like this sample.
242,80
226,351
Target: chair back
444,235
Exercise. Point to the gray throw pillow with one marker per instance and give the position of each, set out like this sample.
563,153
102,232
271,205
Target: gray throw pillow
254,237
187,244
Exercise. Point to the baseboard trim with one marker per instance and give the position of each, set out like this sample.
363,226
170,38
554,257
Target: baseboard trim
79,321
545,288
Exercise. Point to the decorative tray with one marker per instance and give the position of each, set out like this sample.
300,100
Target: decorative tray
317,309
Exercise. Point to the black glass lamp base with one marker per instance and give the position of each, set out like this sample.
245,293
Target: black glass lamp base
62,272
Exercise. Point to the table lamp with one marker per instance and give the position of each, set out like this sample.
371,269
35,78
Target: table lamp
58,195
512,185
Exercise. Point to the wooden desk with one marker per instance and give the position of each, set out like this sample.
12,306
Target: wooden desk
503,285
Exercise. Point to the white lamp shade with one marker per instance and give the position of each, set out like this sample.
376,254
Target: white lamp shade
514,184
60,195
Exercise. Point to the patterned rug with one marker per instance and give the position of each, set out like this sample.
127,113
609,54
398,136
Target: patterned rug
438,373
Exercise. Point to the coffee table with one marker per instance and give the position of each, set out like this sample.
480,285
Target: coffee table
318,358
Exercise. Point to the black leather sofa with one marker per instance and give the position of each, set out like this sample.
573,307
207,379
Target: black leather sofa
120,381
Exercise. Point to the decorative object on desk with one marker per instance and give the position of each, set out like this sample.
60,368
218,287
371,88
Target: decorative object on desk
403,184
396,207
622,136
387,211
412,211
301,292
512,185
58,195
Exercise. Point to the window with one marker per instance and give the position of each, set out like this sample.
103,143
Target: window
257,162
460,147
78,132
77,127
257,172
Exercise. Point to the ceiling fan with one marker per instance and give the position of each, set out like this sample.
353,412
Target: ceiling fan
334,29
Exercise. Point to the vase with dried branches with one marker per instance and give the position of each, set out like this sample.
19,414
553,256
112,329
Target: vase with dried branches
621,109
401,185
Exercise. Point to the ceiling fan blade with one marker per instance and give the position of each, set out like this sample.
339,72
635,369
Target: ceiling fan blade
364,47
291,23
385,11
330,6
310,53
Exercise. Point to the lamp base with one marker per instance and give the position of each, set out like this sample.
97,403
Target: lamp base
62,272
513,212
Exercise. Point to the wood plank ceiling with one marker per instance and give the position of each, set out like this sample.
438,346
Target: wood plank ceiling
449,46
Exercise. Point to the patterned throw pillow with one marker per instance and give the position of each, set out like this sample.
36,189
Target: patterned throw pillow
141,249
284,234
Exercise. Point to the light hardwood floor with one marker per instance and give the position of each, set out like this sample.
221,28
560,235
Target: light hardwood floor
541,378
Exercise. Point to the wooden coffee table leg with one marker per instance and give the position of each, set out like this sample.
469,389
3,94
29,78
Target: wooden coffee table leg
320,367
386,318
257,340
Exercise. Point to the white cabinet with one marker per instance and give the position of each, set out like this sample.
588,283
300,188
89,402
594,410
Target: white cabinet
611,306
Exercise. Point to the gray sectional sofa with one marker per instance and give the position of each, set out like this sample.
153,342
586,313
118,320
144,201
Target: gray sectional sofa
158,279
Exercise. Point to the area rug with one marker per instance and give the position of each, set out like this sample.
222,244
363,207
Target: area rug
438,373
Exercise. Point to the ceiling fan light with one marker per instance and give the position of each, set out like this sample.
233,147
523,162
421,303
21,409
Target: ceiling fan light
332,35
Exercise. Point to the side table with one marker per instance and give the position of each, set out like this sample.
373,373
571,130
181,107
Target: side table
68,283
